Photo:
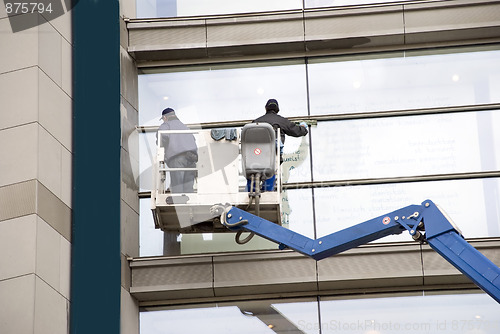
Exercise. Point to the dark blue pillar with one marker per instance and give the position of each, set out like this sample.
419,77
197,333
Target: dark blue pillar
95,268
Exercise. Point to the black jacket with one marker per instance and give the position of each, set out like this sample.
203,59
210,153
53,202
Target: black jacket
286,127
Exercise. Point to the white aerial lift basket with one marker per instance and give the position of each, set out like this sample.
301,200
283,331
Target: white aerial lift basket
220,179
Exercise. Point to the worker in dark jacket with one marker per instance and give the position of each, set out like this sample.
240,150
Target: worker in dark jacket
286,126
180,152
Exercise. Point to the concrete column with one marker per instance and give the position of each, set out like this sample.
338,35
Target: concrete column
35,175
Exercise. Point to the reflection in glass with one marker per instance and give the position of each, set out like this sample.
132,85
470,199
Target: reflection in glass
147,152
296,209
472,204
331,3
175,8
350,149
220,242
403,80
178,8
383,314
217,93
296,166
210,320
454,313
405,146
252,317
150,239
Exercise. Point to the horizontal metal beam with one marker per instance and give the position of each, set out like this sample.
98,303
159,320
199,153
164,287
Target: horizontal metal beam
313,32
375,181
314,119
404,179
380,267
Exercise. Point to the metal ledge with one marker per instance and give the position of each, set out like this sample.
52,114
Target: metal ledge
313,32
389,267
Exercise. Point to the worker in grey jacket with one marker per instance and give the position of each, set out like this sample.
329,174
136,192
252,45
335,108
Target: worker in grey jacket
180,152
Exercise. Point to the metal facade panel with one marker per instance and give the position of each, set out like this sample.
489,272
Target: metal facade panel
395,266
347,29
172,279
430,24
451,17
264,31
257,50
168,37
167,40
255,35
337,25
377,267
263,273
437,271
314,31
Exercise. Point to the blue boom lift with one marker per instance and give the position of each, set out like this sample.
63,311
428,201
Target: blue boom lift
426,223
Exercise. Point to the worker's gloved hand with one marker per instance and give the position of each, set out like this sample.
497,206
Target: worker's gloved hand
304,124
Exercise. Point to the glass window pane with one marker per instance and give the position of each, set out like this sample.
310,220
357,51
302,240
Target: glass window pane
219,93
174,8
331,3
474,205
208,320
411,80
150,239
147,152
296,166
296,208
453,313
252,317
459,312
297,216
406,146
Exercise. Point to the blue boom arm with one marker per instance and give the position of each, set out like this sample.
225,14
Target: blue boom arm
425,222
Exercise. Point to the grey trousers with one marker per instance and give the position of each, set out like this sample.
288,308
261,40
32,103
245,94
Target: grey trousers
182,181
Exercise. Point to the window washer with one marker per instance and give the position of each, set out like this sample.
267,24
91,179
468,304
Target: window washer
286,127
277,121
180,152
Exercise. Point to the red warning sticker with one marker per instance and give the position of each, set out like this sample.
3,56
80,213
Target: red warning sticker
386,220
257,151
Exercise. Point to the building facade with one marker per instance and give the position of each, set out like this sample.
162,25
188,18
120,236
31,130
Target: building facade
402,100
384,87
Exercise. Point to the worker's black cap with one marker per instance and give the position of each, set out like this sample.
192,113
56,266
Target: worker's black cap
272,104
167,111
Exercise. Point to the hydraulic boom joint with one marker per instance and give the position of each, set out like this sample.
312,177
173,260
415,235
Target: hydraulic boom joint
426,223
